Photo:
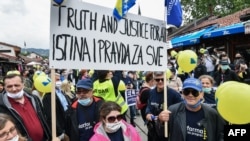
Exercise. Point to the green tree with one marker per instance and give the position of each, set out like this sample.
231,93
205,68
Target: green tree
195,9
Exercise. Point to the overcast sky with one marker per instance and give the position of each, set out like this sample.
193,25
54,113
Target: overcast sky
29,20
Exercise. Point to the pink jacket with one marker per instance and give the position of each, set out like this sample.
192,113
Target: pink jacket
129,133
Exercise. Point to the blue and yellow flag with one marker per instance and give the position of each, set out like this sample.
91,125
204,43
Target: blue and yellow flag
122,7
174,12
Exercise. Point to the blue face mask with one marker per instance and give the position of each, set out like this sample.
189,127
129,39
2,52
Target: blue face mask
207,90
224,67
84,102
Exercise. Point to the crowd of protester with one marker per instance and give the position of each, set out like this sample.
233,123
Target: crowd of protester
90,104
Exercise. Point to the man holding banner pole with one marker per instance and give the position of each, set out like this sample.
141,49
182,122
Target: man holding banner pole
155,106
191,120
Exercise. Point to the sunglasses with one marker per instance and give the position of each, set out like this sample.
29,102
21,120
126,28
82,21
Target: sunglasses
159,79
186,92
112,119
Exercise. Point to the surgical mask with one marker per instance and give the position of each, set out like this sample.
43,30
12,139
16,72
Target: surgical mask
113,127
125,73
15,138
224,67
207,90
195,105
84,102
58,84
15,95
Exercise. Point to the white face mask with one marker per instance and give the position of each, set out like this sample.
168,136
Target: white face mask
14,138
113,127
173,61
125,73
15,95
58,84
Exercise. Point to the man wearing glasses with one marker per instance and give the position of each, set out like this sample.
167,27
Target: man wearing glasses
191,120
85,112
155,105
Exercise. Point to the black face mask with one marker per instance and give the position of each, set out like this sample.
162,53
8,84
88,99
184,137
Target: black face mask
237,57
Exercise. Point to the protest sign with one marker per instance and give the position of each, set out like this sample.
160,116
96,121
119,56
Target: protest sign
84,35
130,96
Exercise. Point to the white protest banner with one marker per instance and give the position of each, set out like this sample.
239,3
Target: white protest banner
84,35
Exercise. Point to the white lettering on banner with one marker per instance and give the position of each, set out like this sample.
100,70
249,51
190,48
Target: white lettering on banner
83,34
130,96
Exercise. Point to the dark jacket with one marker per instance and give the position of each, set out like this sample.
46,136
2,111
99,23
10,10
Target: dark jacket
212,122
156,99
155,106
229,75
60,113
6,108
72,122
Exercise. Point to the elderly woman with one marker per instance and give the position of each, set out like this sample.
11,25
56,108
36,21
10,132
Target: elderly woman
112,127
8,131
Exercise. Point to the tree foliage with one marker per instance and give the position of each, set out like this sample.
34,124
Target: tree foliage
195,9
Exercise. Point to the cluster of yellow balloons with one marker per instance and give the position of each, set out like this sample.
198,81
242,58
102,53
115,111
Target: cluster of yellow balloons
42,82
233,100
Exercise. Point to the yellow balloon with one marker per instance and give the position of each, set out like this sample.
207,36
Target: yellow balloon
177,55
180,71
121,86
43,83
38,73
222,86
233,105
202,50
173,53
91,72
168,73
13,72
187,60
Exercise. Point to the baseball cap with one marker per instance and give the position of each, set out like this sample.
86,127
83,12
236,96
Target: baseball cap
192,83
85,84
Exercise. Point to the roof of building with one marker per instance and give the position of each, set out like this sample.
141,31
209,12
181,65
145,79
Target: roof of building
223,21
